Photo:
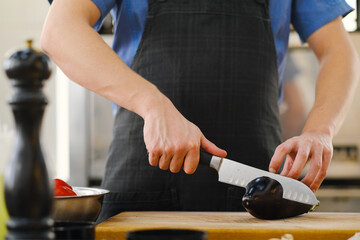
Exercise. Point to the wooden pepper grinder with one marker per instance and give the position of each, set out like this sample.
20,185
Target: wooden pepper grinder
28,190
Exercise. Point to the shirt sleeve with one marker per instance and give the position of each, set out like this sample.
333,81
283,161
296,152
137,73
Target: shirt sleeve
307,16
104,6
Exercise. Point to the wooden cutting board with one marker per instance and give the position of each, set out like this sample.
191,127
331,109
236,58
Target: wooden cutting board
235,225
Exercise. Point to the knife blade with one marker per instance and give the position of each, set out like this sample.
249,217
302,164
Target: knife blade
238,174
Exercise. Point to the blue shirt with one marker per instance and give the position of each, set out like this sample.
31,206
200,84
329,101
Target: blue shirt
305,15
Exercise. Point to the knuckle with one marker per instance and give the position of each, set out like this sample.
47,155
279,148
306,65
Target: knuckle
281,148
317,144
307,140
152,162
163,164
193,145
156,151
328,151
302,155
317,165
322,173
169,150
179,148
295,173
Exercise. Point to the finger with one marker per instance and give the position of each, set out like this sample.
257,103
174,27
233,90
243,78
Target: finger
280,152
154,158
191,160
211,148
327,155
177,162
315,164
287,166
300,160
164,161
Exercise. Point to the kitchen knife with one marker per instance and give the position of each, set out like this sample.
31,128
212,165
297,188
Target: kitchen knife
238,174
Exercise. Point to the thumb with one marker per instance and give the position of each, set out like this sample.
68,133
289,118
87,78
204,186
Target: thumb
211,148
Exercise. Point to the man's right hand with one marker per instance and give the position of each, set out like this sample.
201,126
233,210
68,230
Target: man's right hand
172,141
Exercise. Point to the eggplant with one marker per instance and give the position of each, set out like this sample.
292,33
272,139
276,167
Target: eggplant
263,199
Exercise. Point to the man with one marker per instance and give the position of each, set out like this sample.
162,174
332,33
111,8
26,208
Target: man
202,68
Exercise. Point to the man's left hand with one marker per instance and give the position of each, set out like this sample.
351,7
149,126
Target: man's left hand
313,147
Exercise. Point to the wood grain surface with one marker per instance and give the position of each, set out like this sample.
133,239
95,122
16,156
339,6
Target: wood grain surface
235,225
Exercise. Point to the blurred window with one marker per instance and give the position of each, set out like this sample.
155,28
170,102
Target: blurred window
350,20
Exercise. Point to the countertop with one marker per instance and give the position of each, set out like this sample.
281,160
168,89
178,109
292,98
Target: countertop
235,225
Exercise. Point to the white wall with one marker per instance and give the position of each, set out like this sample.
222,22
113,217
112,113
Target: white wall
21,20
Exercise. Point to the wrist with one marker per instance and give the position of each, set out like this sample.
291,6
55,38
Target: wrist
323,130
151,102
320,121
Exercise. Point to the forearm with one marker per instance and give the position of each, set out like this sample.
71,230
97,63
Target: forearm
86,59
336,82
335,88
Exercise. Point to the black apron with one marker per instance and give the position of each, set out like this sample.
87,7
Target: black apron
216,61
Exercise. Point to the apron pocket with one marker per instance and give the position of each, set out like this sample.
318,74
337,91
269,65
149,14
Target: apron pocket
116,202
234,199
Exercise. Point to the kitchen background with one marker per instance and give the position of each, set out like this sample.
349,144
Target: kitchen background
76,136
